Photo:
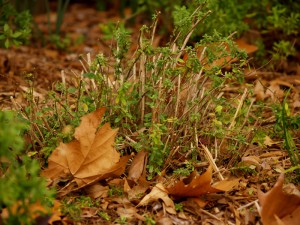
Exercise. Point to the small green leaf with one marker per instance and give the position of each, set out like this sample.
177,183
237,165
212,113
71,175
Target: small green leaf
6,43
6,28
16,43
180,60
217,123
16,34
72,90
218,109
287,109
89,75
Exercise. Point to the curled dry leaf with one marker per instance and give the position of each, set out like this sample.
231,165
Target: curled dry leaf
274,91
244,45
137,166
90,156
268,141
196,185
251,161
55,213
159,192
259,91
278,207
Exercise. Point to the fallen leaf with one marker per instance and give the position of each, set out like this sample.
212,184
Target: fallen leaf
278,207
268,141
137,166
137,191
200,203
97,191
128,212
55,213
273,154
251,161
90,157
259,91
196,185
274,91
164,221
159,192
126,186
243,45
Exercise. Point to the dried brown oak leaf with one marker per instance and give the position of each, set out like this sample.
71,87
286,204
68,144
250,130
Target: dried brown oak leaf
196,185
90,156
279,207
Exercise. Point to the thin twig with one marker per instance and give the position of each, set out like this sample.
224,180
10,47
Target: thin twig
209,214
238,108
212,161
191,31
247,205
178,95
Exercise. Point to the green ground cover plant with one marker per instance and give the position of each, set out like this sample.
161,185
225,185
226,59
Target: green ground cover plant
15,27
21,186
271,18
147,98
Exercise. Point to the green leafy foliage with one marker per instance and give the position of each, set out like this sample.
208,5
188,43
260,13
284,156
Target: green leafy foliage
15,27
73,209
20,179
287,126
282,50
146,95
272,18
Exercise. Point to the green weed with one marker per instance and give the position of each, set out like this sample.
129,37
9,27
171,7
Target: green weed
289,143
20,180
282,50
15,27
160,102
73,207
121,220
243,170
104,215
115,191
149,220
178,207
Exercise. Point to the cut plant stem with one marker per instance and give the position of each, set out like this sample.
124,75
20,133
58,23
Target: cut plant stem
211,161
238,109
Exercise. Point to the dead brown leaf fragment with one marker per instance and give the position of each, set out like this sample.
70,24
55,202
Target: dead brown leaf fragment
90,156
137,166
278,207
97,191
159,192
196,185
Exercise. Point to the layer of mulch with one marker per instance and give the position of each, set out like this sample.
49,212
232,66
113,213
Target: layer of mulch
43,64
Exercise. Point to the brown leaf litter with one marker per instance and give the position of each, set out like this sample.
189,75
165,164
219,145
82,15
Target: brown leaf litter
279,207
90,157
